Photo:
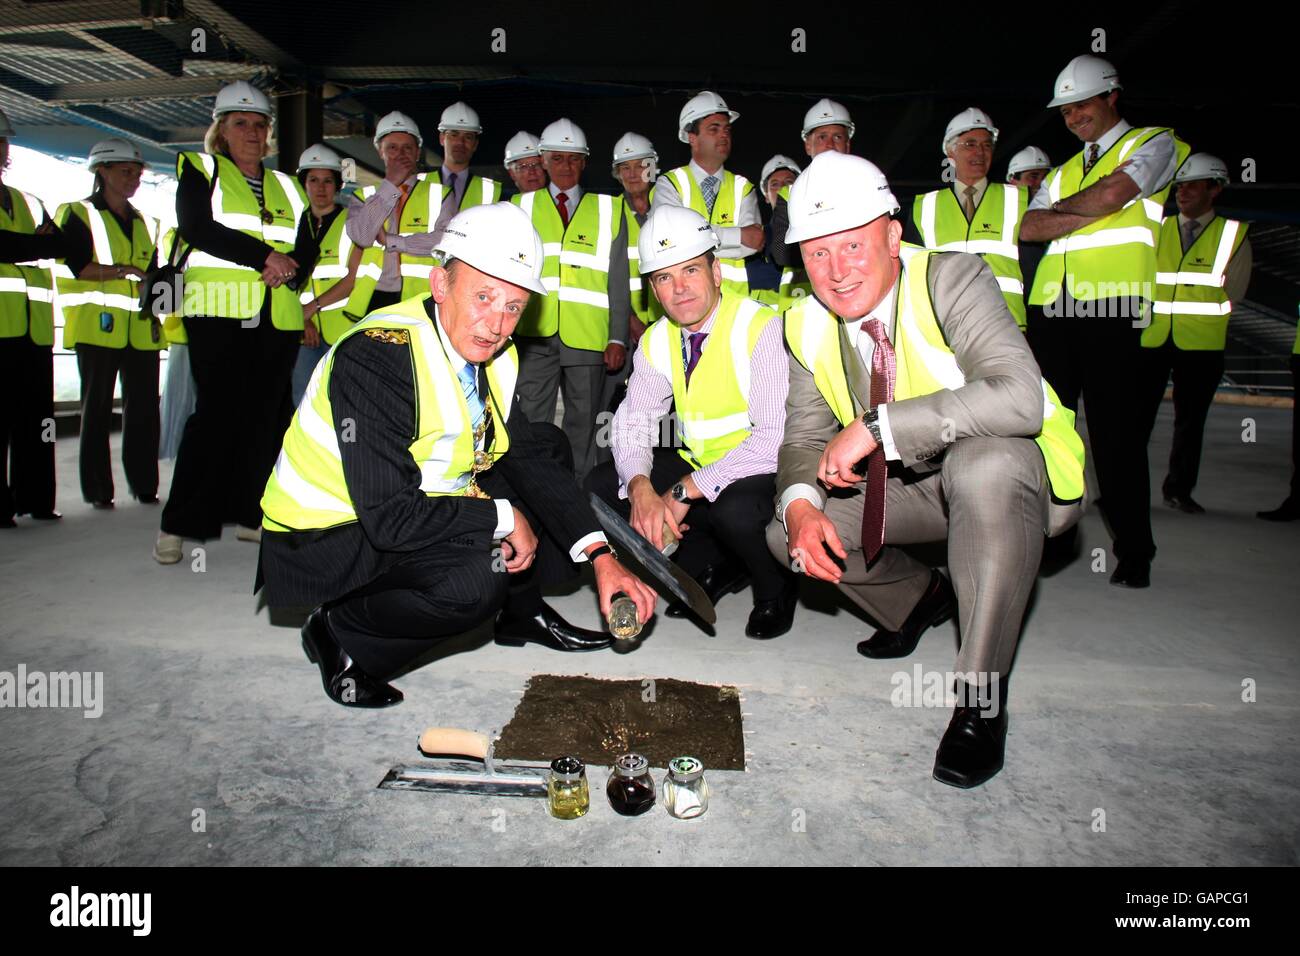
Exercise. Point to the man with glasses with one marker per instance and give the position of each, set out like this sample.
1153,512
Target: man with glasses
523,161
974,215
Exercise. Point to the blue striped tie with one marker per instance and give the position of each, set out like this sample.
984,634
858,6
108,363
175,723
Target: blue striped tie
469,386
710,189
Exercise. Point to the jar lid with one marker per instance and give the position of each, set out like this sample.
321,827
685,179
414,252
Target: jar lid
567,768
685,769
631,765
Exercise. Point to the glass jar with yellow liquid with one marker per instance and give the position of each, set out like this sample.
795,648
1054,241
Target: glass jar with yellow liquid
566,788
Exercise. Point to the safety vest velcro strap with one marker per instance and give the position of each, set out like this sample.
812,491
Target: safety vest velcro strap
305,493
584,296
584,260
1190,278
734,270
1193,308
1102,240
705,429
1011,284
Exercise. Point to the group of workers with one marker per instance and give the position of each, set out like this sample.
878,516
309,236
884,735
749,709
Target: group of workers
376,384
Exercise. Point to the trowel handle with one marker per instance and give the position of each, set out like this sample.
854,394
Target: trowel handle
453,740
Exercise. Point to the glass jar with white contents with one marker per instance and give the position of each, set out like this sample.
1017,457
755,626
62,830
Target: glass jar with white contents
685,792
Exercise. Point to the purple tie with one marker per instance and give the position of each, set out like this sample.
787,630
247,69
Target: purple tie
882,392
697,345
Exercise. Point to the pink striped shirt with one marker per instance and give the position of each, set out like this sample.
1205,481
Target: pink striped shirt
635,430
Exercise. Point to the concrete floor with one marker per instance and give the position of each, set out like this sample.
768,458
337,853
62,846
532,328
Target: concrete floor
1123,703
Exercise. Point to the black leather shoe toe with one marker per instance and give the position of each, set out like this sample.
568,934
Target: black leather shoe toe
548,628
773,618
717,581
343,680
937,604
1132,573
1184,503
972,748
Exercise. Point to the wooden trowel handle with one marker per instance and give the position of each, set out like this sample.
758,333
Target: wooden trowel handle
453,740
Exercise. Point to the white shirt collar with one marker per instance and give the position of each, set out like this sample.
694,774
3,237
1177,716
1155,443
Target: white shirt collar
1203,220
1109,137
699,172
884,312
573,196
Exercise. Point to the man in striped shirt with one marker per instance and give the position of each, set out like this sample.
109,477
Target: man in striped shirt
717,360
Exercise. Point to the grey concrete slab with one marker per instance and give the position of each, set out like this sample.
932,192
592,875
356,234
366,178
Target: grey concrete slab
1123,703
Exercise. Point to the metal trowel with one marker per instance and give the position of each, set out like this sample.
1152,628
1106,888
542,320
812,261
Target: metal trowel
462,762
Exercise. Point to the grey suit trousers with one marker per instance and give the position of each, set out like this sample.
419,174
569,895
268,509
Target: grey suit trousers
549,368
990,500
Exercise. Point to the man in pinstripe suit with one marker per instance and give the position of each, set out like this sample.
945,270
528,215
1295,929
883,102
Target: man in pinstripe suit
411,556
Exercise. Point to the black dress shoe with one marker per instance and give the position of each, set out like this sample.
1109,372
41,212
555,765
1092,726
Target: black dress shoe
344,681
45,515
937,604
1184,503
105,505
548,628
773,618
147,499
1132,573
717,580
1289,510
972,748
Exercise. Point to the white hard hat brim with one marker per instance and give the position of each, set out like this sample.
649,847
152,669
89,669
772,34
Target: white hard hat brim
795,234
685,137
1079,97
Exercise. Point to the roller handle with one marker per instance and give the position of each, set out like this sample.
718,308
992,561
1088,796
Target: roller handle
453,740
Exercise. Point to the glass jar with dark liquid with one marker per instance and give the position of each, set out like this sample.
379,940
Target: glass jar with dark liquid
631,790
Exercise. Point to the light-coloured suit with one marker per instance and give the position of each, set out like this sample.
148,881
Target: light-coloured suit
969,471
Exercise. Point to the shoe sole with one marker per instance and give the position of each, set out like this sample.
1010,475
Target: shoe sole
508,641
967,784
167,558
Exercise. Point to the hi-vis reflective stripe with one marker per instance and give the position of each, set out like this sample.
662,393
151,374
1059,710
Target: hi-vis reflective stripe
526,204
247,222
415,270
369,270
634,283
705,429
34,293
99,235
732,271
486,185
37,294
550,249
681,178
330,272
1100,240
929,203
1003,247
1010,284
316,427
551,283
583,296
1193,308
305,494
1218,274
1010,213
34,207
106,300
200,258
994,247
12,284
738,184
1190,278
1155,212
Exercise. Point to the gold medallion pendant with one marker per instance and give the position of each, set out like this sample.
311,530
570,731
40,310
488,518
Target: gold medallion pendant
482,457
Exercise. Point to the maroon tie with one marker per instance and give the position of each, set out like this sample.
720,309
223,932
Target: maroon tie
697,346
882,391
561,202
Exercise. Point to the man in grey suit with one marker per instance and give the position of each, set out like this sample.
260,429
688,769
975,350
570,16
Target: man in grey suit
917,413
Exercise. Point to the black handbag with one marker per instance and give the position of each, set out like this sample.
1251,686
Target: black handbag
161,289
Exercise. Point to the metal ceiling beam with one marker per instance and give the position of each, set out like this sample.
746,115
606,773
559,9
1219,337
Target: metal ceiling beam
241,35
334,129
126,57
183,88
59,52
88,15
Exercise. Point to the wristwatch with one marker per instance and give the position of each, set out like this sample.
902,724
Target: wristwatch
679,492
870,419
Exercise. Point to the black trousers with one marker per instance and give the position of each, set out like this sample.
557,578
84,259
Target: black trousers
26,427
242,407
1092,350
1295,429
448,589
733,527
1196,376
100,368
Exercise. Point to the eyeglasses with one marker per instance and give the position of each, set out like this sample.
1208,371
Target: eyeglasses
527,167
974,144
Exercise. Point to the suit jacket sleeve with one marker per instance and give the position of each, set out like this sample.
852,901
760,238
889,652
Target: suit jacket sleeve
784,255
545,483
372,394
809,425
619,290
1003,394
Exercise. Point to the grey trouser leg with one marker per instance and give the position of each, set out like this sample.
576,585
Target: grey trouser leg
583,386
539,377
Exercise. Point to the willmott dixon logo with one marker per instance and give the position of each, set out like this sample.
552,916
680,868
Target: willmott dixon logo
665,243
521,257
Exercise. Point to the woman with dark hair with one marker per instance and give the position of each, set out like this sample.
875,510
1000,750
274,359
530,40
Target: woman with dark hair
110,248
325,310
28,240
249,251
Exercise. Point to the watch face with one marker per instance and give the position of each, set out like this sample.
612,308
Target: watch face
679,491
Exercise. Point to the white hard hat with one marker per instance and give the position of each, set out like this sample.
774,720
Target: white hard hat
459,116
396,122
633,146
827,113
778,161
320,156
1031,157
1202,166
673,234
836,192
699,106
6,128
498,239
564,136
241,97
521,146
114,150
1084,77
967,120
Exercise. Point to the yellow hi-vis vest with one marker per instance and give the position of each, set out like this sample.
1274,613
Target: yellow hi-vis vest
88,307
726,209
1190,298
576,270
419,215
219,287
479,191
993,234
26,288
644,302
307,491
713,411
331,269
924,364
1115,256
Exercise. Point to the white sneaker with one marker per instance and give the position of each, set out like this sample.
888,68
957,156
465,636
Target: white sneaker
167,549
244,533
